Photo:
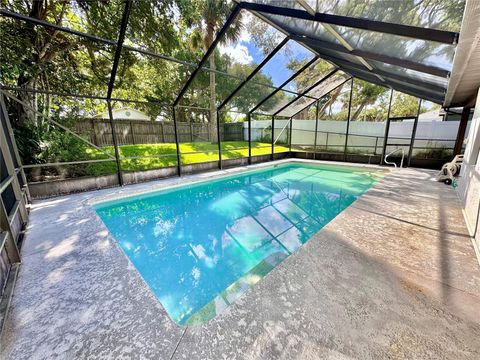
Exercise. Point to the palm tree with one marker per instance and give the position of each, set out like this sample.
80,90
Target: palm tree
214,14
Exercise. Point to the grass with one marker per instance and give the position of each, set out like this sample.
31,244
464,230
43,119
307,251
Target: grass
146,155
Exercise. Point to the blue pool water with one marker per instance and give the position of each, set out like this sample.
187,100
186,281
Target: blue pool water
201,246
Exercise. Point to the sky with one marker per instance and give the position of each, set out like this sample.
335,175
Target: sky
245,51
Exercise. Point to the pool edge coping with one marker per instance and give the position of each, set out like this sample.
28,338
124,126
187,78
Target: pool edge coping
90,202
172,183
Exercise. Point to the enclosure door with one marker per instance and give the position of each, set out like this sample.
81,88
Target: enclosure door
398,139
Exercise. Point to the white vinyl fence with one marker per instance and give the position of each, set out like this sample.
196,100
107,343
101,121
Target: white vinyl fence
364,137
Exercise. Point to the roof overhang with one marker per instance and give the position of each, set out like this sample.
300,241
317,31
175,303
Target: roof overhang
465,77
419,76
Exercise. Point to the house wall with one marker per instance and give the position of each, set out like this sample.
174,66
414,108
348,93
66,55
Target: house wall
469,182
127,114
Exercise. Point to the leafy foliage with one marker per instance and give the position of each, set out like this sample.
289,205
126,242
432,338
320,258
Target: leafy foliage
440,152
51,60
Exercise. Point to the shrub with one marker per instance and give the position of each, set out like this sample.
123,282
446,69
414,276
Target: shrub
434,153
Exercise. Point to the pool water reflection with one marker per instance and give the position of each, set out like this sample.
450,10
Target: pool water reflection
201,246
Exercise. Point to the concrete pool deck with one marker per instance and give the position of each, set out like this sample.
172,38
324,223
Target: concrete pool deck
393,276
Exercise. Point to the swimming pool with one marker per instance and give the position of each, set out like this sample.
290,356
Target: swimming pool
200,246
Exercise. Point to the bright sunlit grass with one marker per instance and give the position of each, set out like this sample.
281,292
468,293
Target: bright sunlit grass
154,156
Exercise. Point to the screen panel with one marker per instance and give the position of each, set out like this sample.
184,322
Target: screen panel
261,134
315,93
283,65
145,137
197,137
281,135
233,134
73,140
69,64
429,14
148,78
444,15
333,116
237,55
368,117
436,134
99,18
303,129
403,111
313,74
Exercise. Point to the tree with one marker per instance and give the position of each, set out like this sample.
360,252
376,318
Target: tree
38,57
403,105
213,15
42,58
38,47
253,92
364,94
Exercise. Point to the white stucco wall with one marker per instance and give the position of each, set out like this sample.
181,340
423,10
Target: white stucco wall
469,182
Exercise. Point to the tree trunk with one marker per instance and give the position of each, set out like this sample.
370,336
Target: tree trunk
44,54
25,114
323,108
358,111
27,79
213,100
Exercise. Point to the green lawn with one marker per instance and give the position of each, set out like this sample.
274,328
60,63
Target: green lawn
191,153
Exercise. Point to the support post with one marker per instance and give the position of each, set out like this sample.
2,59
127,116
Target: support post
462,128
113,74
115,144
316,129
16,154
272,156
348,122
10,245
177,146
219,142
414,131
249,119
387,128
11,180
290,135
119,46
